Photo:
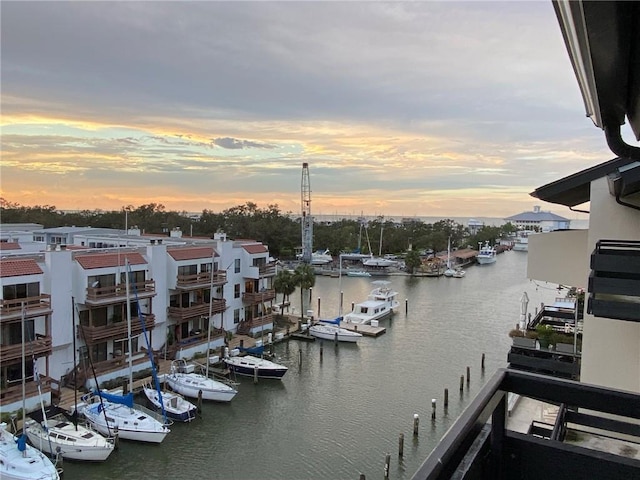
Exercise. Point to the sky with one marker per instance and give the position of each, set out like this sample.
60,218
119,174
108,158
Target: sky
400,108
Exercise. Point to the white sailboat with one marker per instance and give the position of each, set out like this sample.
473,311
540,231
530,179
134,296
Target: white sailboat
175,405
112,411
449,272
331,330
73,441
18,460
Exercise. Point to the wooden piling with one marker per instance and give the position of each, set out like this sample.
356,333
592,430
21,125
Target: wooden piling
433,409
335,339
363,476
468,374
401,445
406,306
255,374
321,350
299,357
199,401
387,464
341,300
482,362
446,397
318,307
461,383
416,423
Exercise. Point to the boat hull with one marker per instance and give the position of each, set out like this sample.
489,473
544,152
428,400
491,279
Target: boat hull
84,445
193,385
175,407
121,419
247,366
486,260
342,334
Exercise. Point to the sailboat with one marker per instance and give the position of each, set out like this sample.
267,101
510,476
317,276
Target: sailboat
183,379
113,411
60,435
449,272
18,460
379,261
175,405
331,330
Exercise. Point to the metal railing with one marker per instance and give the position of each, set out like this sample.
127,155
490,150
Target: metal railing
34,307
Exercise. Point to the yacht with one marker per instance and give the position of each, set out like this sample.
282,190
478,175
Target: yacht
487,254
379,304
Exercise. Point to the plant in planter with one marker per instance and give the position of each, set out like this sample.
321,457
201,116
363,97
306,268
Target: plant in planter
546,335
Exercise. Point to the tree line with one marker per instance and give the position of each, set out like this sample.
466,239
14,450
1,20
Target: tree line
281,231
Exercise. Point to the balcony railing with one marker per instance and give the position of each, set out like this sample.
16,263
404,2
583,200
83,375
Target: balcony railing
93,335
13,393
201,280
614,283
474,449
259,297
118,293
268,270
11,310
197,310
559,362
245,327
39,347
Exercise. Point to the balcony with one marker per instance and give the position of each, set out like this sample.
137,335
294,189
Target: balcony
11,310
182,314
245,328
268,270
93,335
118,293
13,393
614,283
259,297
476,449
39,347
201,280
560,362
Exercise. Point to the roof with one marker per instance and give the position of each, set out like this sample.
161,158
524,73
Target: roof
10,246
576,188
103,260
537,217
255,248
16,268
191,253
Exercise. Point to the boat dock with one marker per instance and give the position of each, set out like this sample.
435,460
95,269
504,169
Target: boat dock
366,330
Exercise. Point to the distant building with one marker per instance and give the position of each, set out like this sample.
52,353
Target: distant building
538,220
474,226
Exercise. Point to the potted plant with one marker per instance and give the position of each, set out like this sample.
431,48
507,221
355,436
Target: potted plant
546,335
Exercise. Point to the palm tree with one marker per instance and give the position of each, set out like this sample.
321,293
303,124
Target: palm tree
303,277
284,283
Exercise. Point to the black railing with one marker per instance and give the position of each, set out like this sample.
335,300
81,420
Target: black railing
474,449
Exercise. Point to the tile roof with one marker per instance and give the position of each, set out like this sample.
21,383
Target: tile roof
102,260
16,268
255,248
191,253
10,246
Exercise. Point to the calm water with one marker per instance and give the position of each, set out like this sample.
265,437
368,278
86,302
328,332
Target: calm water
337,418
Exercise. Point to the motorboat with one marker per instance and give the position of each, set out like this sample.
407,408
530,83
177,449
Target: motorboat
379,304
358,273
21,461
458,273
248,364
183,379
487,254
331,330
59,435
175,406
110,412
521,241
379,262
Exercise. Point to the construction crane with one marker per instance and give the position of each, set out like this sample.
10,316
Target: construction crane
307,219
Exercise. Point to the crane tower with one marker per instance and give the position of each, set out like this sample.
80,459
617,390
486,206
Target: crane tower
307,219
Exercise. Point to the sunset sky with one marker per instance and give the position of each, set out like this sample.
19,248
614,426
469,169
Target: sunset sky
400,108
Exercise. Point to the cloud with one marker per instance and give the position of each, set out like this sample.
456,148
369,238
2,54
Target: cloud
234,143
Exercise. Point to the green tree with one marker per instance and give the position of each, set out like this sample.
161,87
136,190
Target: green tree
305,278
284,283
412,260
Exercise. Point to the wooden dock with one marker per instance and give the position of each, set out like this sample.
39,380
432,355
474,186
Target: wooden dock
365,330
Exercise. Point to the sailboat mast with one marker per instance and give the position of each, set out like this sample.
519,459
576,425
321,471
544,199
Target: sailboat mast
126,276
210,312
24,375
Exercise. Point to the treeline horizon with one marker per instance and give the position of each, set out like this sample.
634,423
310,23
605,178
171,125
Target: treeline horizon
269,225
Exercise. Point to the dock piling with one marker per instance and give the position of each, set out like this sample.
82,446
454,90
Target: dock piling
255,374
446,398
401,445
468,374
416,423
406,306
318,307
461,383
387,463
482,362
321,350
199,401
433,409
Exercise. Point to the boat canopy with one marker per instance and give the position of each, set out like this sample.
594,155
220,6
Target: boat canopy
115,398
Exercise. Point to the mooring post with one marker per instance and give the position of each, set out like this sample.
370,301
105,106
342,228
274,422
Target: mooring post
199,401
299,357
416,423
335,339
461,383
446,398
387,463
468,374
352,306
341,300
255,374
318,307
401,445
406,306
433,409
321,350
363,476
482,362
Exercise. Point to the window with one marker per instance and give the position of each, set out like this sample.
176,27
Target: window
187,270
236,290
236,316
23,290
237,265
121,347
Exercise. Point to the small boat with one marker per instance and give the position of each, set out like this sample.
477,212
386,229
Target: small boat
248,364
331,330
183,379
176,407
358,273
379,304
111,412
486,254
458,273
21,461
73,441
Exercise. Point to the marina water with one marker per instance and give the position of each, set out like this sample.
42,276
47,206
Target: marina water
337,416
